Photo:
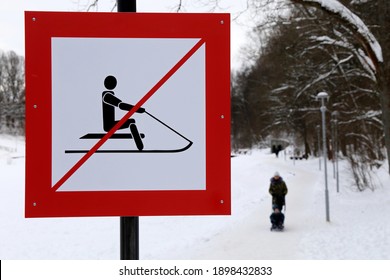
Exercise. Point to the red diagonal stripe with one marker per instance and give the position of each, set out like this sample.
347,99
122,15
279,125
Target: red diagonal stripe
149,94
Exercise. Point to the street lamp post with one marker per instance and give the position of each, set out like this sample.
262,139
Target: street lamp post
335,115
324,96
319,145
333,147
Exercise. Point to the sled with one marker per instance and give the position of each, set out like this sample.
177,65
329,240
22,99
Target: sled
130,151
137,137
281,228
114,136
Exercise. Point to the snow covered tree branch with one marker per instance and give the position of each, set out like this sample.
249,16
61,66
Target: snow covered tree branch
371,46
351,21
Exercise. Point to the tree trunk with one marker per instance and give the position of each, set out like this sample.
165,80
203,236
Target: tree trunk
384,87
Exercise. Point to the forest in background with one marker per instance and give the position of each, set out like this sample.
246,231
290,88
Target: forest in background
12,93
298,52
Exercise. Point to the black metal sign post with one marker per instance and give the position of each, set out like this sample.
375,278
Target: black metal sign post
129,226
126,5
129,238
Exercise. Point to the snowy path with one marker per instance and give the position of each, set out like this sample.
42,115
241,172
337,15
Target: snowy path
251,238
243,235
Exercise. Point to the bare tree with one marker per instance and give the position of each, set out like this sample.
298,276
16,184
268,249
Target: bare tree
371,52
12,92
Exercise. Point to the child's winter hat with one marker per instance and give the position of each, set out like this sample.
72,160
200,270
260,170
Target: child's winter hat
276,174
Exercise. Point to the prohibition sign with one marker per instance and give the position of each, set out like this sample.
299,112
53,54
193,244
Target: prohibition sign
46,197
127,116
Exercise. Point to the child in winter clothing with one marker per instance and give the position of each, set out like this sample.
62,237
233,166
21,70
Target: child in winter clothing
277,218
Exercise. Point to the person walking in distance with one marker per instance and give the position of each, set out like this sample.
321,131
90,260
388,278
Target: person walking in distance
278,190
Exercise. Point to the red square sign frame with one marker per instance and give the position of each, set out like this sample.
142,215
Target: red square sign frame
42,199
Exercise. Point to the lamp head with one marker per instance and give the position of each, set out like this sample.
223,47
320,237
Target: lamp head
322,95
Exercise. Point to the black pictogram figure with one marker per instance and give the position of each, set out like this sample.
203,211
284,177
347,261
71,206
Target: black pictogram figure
109,102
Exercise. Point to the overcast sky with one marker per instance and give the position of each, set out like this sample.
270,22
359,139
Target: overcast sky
12,17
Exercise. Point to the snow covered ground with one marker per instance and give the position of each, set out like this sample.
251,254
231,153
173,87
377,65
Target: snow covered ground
359,227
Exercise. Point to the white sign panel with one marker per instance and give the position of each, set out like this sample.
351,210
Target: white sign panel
96,81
